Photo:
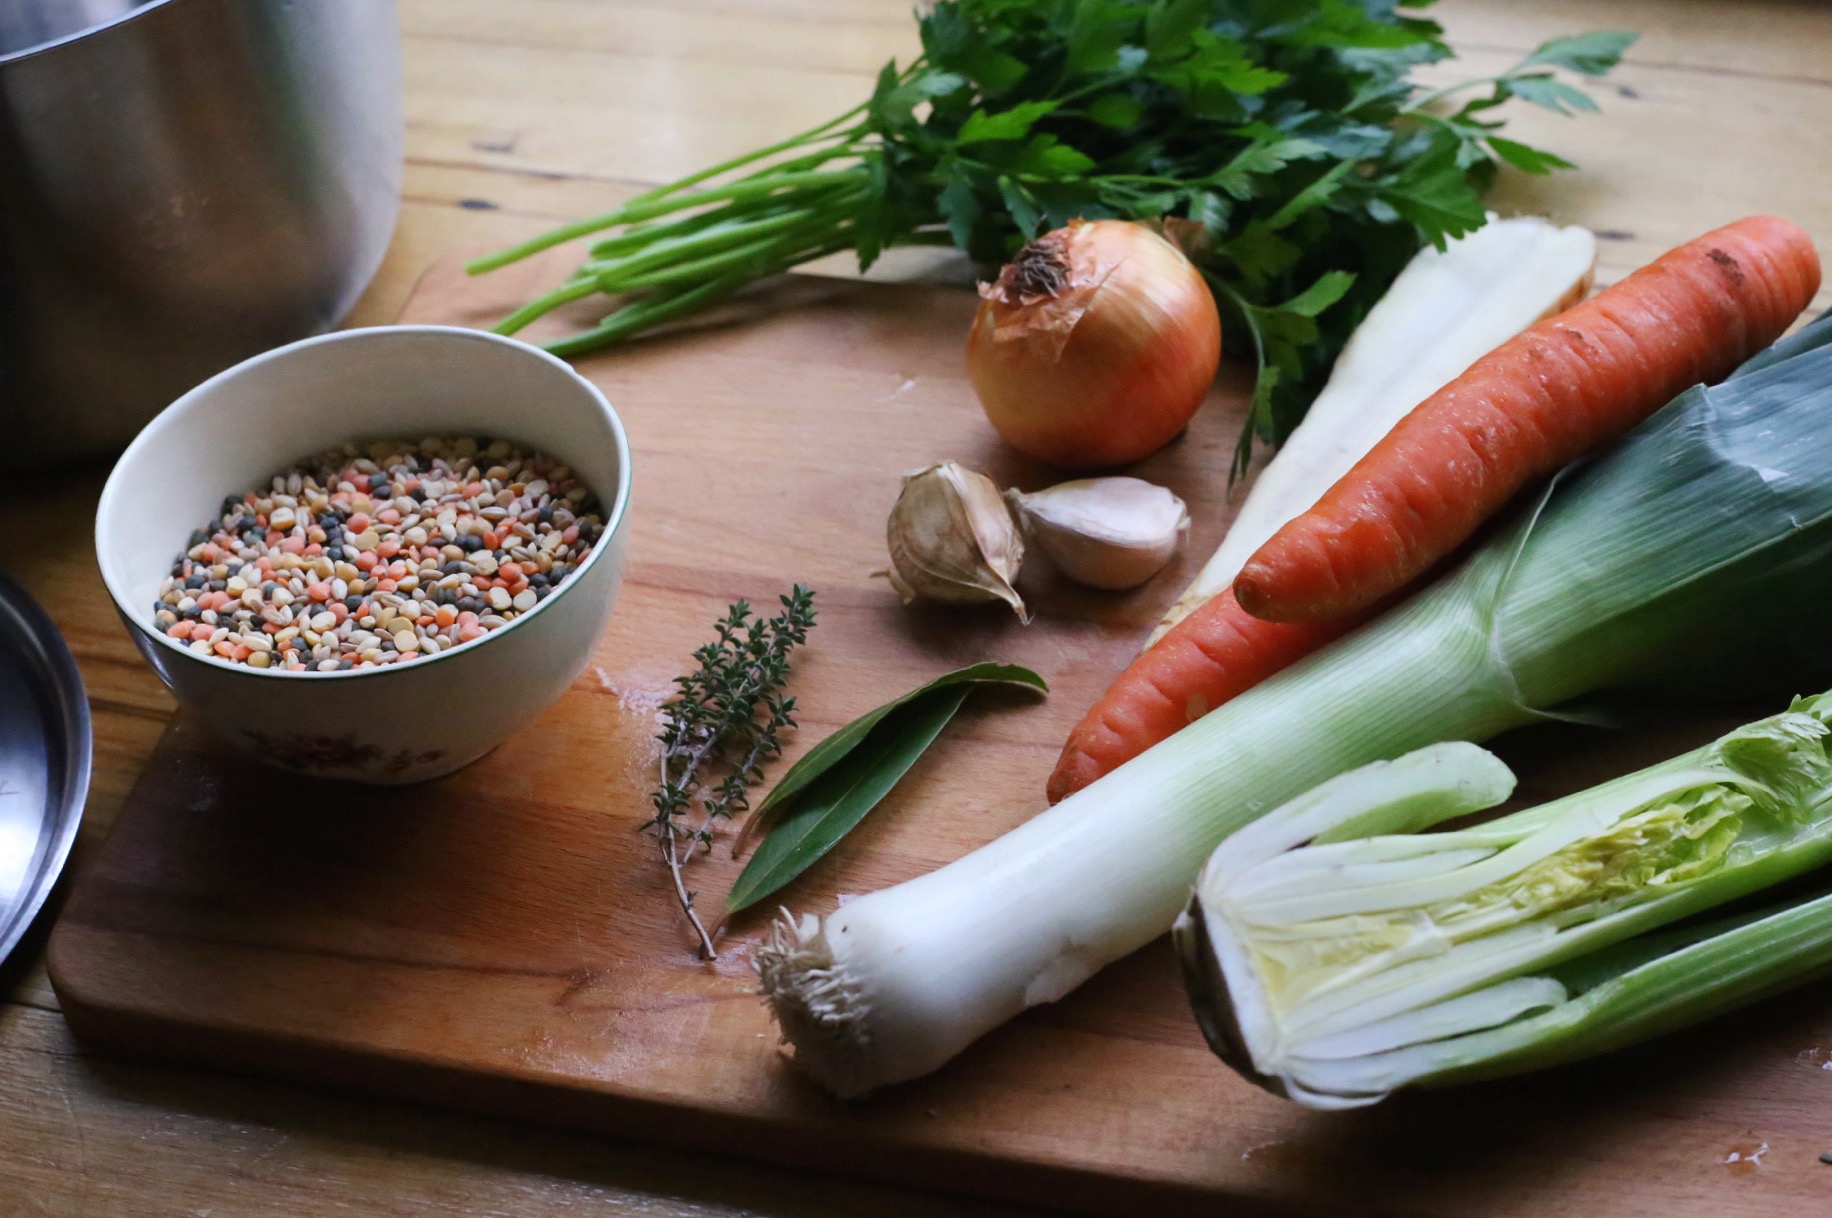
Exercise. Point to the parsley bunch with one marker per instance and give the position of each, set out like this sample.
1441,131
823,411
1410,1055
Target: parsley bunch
1280,141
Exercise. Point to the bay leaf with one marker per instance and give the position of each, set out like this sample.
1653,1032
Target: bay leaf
829,791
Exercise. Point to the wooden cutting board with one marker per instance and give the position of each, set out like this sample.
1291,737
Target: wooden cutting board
504,939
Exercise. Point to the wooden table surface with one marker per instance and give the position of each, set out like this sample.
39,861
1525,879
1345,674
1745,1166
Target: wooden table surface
523,113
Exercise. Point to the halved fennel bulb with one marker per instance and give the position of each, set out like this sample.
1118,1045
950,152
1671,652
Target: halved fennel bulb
1376,956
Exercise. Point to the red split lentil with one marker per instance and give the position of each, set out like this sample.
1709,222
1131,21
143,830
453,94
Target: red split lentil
376,554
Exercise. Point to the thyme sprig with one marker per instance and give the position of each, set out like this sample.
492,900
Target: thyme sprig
731,710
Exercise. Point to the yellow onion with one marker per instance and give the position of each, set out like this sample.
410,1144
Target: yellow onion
1095,345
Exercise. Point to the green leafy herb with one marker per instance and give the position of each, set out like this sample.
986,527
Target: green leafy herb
840,800
843,777
1281,140
731,710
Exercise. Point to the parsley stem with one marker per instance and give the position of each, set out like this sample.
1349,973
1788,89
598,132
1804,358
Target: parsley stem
762,247
812,135
641,236
641,314
717,236
785,245
1098,85
1312,196
1150,179
1243,451
1438,95
634,211
573,289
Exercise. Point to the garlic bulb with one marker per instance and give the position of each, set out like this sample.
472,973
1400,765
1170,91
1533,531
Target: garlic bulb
1110,533
952,540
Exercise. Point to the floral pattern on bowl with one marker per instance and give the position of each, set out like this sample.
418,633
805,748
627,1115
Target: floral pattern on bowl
335,756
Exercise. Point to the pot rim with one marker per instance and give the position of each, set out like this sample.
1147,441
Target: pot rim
142,9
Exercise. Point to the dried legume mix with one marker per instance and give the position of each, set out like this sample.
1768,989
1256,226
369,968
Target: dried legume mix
371,555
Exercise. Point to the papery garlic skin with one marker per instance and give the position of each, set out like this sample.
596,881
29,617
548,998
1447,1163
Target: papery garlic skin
952,541
1108,533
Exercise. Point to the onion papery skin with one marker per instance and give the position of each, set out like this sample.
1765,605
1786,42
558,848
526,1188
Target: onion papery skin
1095,346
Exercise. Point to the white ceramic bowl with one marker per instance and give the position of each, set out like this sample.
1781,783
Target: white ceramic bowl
237,430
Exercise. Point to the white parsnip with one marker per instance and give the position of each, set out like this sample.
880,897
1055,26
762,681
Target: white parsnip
1446,310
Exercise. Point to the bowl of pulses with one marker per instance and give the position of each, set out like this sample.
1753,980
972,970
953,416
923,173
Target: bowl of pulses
375,554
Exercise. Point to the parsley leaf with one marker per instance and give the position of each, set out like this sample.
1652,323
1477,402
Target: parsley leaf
1283,142
1024,209
1329,288
1592,54
1526,157
1012,124
1553,94
1435,194
1120,111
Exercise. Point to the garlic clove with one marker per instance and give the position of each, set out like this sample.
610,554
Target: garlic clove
1110,533
952,540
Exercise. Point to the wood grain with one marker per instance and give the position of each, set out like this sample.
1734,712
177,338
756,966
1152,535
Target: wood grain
88,1137
504,939
1729,114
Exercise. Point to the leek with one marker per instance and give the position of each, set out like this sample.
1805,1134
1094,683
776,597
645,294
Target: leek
1377,957
1704,534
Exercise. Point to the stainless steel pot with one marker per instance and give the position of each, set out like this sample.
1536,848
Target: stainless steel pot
182,185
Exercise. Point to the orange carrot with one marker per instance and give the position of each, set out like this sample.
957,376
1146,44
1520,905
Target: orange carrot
1210,656
1558,390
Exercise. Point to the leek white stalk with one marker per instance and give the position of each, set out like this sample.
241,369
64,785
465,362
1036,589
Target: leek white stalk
1446,310
1706,533
1378,957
